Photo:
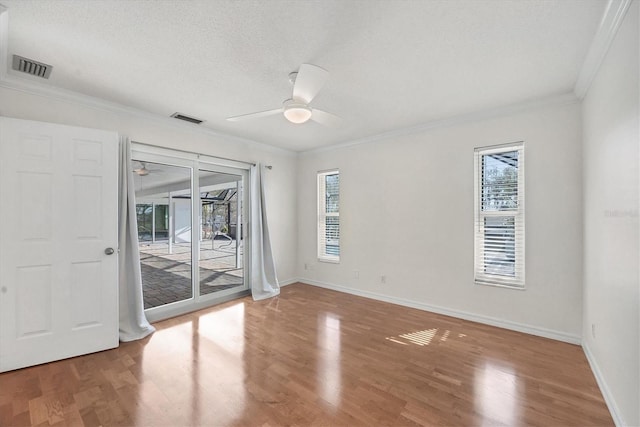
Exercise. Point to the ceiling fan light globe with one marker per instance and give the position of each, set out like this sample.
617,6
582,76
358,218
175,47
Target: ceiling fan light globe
297,114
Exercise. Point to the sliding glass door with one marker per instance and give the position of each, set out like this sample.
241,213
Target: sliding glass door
185,267
221,240
163,207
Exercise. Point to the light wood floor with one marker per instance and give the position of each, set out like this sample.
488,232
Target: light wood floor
313,357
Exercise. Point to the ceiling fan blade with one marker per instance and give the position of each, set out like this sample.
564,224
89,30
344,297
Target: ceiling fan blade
309,81
255,115
325,118
141,170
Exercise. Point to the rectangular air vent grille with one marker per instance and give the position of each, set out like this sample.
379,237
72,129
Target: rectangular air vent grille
180,116
29,66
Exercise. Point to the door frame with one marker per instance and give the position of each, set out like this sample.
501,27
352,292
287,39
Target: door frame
195,162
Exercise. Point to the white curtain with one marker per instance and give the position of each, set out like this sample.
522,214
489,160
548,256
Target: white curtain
264,280
133,323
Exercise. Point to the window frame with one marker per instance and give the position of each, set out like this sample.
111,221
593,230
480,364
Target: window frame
481,277
322,215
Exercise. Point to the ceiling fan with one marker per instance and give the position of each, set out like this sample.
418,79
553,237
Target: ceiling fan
307,82
143,171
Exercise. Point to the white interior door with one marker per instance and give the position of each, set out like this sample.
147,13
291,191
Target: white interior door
58,217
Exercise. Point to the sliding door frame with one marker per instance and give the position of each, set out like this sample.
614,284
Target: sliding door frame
195,163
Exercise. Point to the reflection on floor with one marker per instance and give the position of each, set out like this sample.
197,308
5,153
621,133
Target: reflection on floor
166,277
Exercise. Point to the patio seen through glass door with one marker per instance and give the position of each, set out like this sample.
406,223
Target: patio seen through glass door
168,243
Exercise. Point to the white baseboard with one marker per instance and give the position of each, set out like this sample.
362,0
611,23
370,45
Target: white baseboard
287,282
501,323
604,388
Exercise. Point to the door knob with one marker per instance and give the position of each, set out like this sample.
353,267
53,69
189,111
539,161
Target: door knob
109,251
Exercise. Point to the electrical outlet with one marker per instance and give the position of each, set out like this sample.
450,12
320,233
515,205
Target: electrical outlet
306,266
593,330
383,279
356,274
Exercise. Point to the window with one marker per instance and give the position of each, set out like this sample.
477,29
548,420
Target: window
329,216
499,215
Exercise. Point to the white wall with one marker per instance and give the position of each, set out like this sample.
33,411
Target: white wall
182,221
611,278
407,213
281,185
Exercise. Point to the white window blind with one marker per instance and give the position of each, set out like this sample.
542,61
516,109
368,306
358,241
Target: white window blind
499,215
329,216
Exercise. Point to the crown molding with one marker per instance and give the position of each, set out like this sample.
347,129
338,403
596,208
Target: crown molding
614,14
35,88
564,99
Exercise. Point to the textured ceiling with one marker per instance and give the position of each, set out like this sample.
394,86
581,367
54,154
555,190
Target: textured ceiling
392,64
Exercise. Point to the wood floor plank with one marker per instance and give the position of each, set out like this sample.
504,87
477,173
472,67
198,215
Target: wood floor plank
313,357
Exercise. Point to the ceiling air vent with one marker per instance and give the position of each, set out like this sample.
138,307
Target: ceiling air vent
180,116
29,66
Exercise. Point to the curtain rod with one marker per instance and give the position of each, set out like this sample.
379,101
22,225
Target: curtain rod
198,154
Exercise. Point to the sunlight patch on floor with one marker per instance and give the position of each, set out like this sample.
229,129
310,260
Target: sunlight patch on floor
422,338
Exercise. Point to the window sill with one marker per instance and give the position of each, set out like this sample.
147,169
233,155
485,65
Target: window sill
329,260
500,285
